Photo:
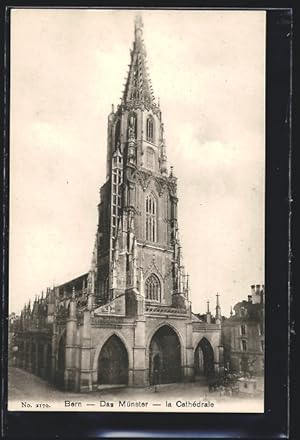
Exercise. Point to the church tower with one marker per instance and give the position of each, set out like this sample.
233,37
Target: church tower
137,254
129,320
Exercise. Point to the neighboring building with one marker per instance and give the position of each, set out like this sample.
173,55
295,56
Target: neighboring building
129,319
243,334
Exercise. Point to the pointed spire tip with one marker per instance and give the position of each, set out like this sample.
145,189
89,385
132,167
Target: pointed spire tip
138,22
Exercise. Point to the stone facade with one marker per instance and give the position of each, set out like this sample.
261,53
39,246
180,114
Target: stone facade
129,319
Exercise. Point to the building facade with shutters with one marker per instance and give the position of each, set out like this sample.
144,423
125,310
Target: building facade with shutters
243,334
129,320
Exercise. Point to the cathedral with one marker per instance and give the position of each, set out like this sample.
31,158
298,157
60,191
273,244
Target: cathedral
129,320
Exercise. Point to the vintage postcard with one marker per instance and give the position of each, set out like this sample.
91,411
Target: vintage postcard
137,170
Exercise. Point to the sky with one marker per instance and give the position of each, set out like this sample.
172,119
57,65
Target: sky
208,69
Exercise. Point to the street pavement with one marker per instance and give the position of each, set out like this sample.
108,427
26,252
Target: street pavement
23,385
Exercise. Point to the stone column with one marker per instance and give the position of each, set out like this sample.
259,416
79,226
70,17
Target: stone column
71,328
39,360
139,371
53,352
44,367
36,363
77,360
221,359
188,367
216,356
86,368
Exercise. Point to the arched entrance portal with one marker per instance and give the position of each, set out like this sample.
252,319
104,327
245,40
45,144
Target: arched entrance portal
113,362
165,356
204,359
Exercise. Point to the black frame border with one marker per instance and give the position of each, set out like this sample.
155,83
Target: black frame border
274,423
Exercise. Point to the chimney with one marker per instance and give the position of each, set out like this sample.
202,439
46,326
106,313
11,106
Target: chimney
262,294
256,293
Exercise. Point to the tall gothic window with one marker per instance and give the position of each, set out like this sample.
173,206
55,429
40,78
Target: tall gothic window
153,288
150,130
151,213
150,158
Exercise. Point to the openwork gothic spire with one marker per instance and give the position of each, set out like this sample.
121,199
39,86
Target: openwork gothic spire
138,89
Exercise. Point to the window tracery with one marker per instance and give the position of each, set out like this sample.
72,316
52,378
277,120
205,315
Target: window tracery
153,288
151,214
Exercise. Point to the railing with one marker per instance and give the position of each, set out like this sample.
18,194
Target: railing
111,321
107,308
201,326
165,310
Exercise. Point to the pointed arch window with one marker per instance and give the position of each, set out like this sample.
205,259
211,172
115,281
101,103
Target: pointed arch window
150,129
153,288
151,218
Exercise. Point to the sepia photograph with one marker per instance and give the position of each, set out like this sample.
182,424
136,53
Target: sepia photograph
137,210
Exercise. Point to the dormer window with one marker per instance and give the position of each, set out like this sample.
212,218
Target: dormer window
150,129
